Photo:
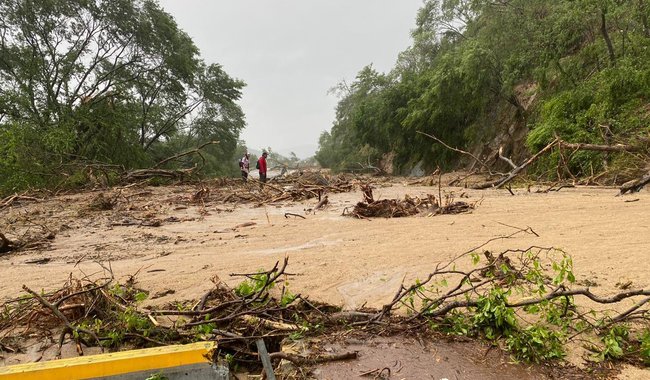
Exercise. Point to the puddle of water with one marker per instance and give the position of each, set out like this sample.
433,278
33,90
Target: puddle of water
409,360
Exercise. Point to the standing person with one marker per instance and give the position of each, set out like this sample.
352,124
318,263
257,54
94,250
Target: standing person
244,166
261,165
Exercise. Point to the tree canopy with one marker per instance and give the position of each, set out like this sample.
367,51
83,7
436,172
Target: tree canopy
115,82
478,70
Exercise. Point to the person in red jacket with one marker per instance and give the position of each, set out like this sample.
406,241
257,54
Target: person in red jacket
261,165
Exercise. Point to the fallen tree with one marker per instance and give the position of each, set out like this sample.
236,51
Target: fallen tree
176,174
641,148
631,186
602,148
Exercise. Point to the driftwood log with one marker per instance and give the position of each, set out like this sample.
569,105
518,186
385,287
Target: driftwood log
313,359
322,203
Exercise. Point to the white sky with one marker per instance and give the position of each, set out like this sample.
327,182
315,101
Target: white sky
290,52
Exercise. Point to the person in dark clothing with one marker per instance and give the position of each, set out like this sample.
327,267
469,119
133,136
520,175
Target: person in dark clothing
261,165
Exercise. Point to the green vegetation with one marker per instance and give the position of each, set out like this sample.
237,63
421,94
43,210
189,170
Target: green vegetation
521,301
493,317
253,285
516,302
644,342
116,83
477,69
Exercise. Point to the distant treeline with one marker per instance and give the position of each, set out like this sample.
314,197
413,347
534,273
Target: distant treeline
481,71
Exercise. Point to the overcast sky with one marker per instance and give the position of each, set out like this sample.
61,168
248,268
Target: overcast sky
290,52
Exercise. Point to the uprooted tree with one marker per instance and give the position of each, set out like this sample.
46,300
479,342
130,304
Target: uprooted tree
565,150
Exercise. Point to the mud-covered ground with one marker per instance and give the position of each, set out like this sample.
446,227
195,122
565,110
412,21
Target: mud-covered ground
176,244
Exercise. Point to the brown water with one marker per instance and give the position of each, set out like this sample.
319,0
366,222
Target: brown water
403,358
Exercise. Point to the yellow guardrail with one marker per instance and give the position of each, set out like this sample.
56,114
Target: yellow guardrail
117,363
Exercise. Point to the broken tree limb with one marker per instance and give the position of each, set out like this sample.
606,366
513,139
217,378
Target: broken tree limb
483,164
62,317
245,224
270,324
583,292
506,159
140,174
437,305
265,358
351,316
288,214
322,203
177,156
178,174
631,310
515,172
601,148
8,201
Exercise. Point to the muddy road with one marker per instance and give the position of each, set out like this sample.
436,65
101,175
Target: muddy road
336,259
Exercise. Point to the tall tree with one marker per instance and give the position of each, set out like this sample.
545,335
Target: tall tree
108,80
480,70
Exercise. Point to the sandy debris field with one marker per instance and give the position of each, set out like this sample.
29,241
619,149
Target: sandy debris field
337,259
177,246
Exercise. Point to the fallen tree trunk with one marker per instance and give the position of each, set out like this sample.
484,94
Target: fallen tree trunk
178,174
601,148
197,150
515,172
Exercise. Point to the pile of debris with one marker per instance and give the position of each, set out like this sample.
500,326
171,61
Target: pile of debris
31,240
294,187
409,206
105,313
